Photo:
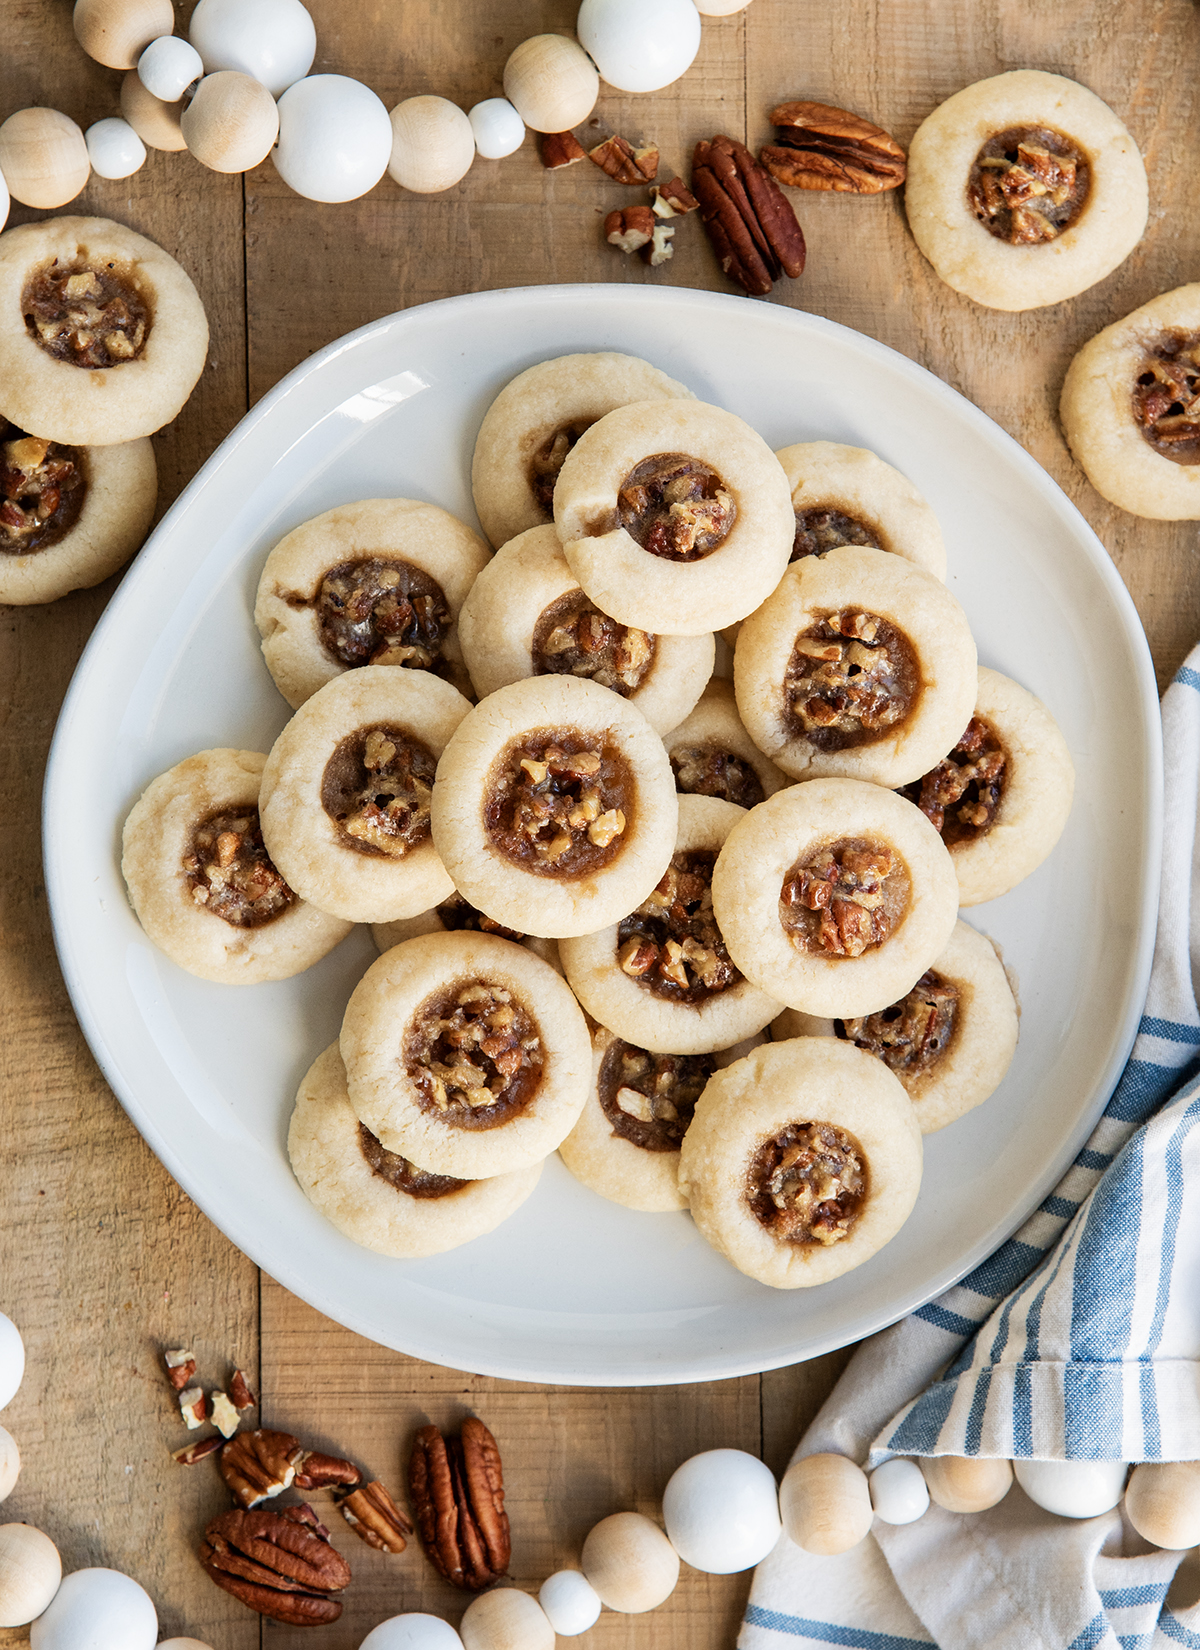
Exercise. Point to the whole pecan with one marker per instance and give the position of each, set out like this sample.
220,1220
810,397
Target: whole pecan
375,1518
750,223
819,147
458,1497
281,1563
257,1465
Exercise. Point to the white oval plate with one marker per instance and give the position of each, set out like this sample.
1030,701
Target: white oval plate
573,1288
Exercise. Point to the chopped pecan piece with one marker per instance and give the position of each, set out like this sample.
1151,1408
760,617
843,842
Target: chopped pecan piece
962,795
752,227
181,1366
457,1491
819,147
560,149
629,228
281,1563
193,1406
673,199
200,1450
224,1415
1166,397
260,1464
375,1518
239,1391
623,163
658,249
315,1471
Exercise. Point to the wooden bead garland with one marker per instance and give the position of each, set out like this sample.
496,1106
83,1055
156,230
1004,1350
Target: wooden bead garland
231,122
966,1484
433,145
117,32
826,1504
551,82
30,1573
43,157
506,1620
630,1563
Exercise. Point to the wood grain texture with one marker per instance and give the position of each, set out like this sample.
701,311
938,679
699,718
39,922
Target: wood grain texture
103,1261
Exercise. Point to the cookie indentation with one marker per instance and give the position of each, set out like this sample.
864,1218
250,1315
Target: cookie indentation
820,530
844,899
671,944
707,770
229,871
912,1036
475,1055
402,1174
1028,184
808,1183
851,677
962,795
382,612
548,460
675,507
1166,397
91,317
42,490
558,802
573,637
377,787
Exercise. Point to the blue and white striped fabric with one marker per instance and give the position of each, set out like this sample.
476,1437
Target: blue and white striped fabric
1078,1338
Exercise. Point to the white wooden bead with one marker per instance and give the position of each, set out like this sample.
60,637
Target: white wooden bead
432,145
966,1483
1073,1489
168,66
30,1573
12,1347
498,128
721,1510
414,1631
155,122
825,1503
273,40
571,1603
1163,1503
117,32
231,123
99,1608
334,138
639,45
720,8
630,1563
551,82
114,148
10,1463
506,1620
43,157
899,1493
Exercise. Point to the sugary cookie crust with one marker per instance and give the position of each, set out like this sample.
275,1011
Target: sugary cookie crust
327,1159
640,588
883,586
795,824
825,475
500,617
97,406
304,840
715,726
570,389
122,488
430,539
749,1103
963,252
380,1012
157,837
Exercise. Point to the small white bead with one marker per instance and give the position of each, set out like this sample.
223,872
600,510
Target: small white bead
571,1603
168,66
335,138
498,128
114,148
412,1632
12,1347
1073,1489
899,1493
273,40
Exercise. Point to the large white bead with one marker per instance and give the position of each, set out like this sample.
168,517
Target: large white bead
231,122
551,82
12,1347
720,8
433,145
168,66
1073,1489
721,1510
117,32
899,1493
571,1603
273,40
45,163
30,1573
410,1632
498,128
114,148
183,1644
335,138
640,45
101,1609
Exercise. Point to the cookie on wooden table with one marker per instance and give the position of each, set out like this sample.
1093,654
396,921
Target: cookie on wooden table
102,334
201,881
376,1197
712,754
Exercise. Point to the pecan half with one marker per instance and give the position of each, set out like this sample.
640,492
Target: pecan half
753,230
375,1518
560,149
629,228
819,147
623,163
260,1464
458,1497
315,1471
281,1564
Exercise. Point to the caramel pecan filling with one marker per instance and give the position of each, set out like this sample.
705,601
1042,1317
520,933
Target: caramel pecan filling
558,802
92,317
573,638
382,612
671,944
962,795
549,459
912,1035
808,1184
457,913
675,507
844,899
1027,184
650,1099
229,872
821,529
42,489
402,1174
707,770
377,788
850,678
1166,397
475,1055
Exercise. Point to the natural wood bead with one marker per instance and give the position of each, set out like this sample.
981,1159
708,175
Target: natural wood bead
30,1573
155,122
1162,1502
551,82
825,1503
231,122
506,1620
433,145
117,32
10,1463
630,1563
44,157
966,1483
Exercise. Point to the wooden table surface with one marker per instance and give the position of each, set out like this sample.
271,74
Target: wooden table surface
103,1260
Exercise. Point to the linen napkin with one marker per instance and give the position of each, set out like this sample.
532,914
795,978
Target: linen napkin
1078,1338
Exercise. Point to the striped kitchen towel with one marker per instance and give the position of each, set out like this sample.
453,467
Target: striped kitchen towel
1078,1338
